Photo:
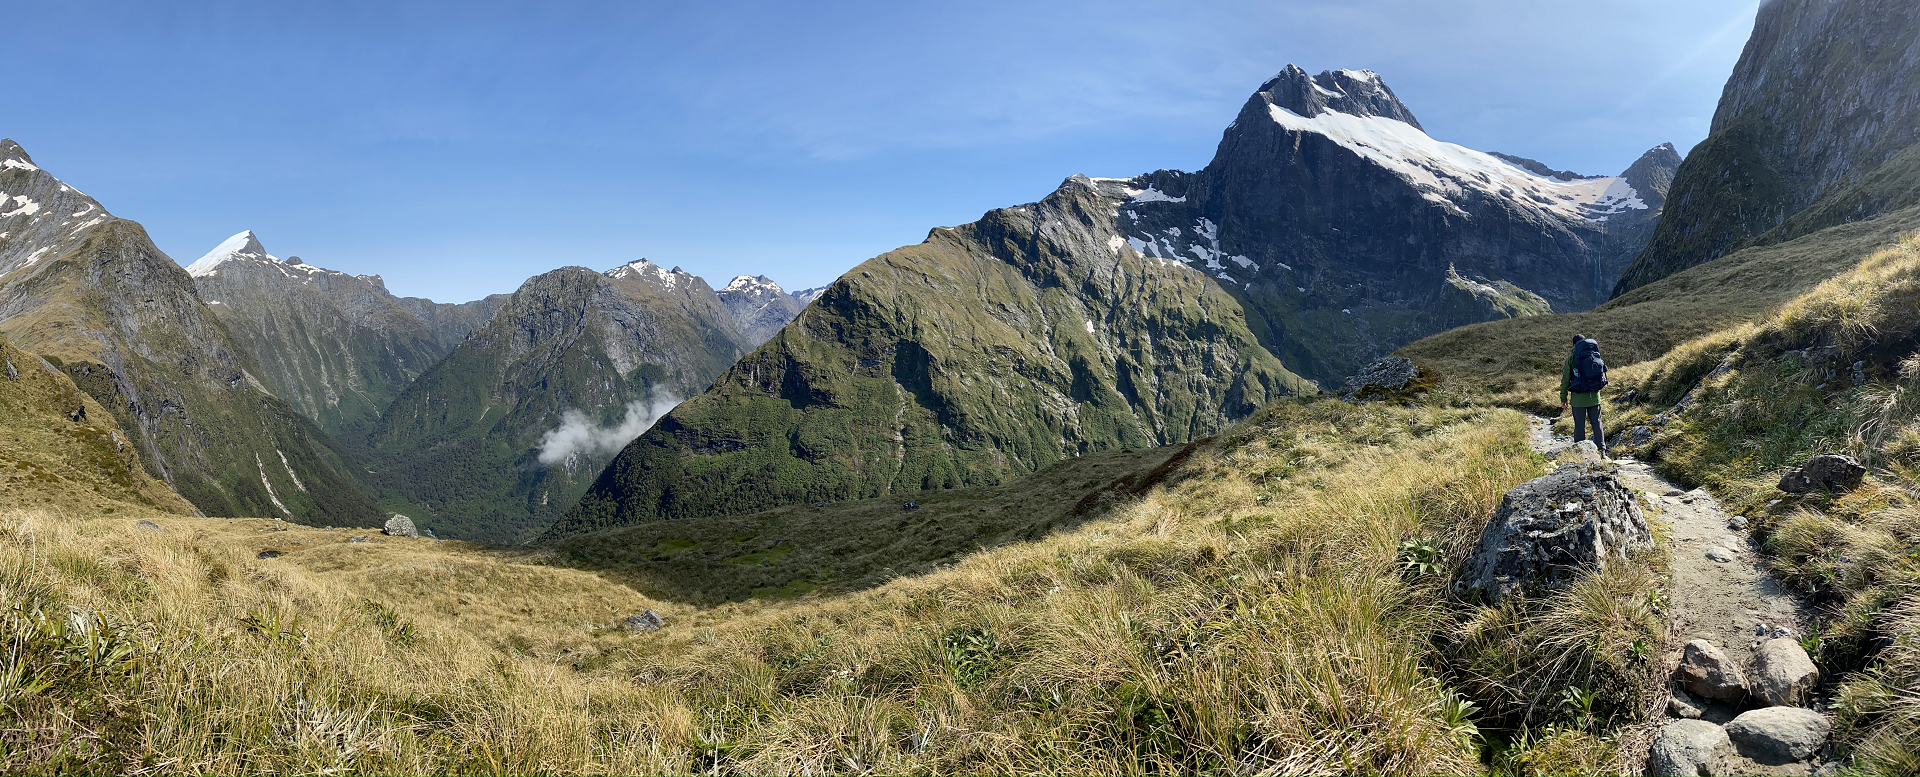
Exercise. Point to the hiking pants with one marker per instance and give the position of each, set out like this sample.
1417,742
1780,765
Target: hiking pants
1581,417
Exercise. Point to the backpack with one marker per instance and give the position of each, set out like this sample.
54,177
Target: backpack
1589,372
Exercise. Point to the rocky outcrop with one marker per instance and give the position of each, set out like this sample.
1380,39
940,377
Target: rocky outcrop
1825,94
1382,378
93,294
1783,675
1549,530
645,622
506,432
1825,472
1779,735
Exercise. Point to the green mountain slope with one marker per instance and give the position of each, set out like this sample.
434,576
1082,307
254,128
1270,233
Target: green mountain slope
91,293
1824,95
988,351
495,440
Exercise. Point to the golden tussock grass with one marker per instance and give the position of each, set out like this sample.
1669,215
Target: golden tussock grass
1250,616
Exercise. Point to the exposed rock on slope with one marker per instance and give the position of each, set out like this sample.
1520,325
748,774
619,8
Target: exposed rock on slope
125,323
759,306
503,434
1825,94
337,347
990,350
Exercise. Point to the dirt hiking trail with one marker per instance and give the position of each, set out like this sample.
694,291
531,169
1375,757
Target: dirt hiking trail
1719,591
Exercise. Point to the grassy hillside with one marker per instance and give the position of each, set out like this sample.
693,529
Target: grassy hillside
836,547
1788,393
1517,361
1183,630
51,459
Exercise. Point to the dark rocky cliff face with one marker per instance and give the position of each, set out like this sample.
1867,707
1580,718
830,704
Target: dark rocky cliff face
1330,211
1825,94
1328,230
92,294
337,347
498,438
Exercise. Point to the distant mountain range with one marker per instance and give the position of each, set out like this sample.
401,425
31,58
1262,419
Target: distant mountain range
1328,229
1113,313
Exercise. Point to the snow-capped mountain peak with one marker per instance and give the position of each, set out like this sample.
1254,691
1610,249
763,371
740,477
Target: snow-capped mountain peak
648,271
245,247
753,284
1357,111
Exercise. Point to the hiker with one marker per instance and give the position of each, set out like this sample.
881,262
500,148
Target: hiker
1583,376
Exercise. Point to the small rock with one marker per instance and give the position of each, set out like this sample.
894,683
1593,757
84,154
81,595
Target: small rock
1674,492
1783,675
644,622
429,534
1707,673
149,526
1737,523
1720,554
1779,735
1583,450
1680,705
400,526
1827,471
1685,747
356,539
268,554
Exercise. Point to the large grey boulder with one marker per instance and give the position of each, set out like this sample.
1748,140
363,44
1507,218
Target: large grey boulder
1686,747
644,622
1550,529
1826,472
1783,675
1382,377
400,526
1779,735
1707,673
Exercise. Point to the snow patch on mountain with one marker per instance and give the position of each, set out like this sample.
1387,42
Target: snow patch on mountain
241,246
24,207
1444,172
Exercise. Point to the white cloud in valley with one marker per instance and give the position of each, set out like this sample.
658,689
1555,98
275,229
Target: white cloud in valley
578,435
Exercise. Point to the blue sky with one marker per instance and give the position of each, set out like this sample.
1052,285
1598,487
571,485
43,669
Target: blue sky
458,148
